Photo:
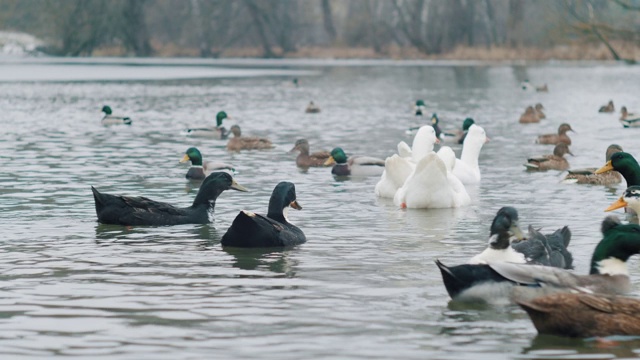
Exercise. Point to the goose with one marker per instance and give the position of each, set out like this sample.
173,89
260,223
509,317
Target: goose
133,211
466,168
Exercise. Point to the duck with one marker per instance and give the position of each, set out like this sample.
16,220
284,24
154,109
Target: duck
218,132
466,124
609,108
629,120
419,108
312,108
134,211
631,199
582,315
239,142
432,184
625,164
549,250
493,282
250,230
538,107
543,88
199,169
304,159
529,116
589,176
110,119
466,168
504,227
554,139
556,161
526,85
354,165
398,167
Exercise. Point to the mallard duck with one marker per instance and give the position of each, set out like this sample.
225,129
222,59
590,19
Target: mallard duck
200,170
630,198
312,108
543,88
629,120
109,119
397,168
526,85
255,230
305,159
466,124
529,116
539,111
432,184
239,142
609,108
625,164
218,132
589,176
419,108
581,314
466,168
554,139
132,211
550,162
354,165
493,281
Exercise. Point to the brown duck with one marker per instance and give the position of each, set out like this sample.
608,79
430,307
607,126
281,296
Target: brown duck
305,159
589,176
529,116
539,111
553,139
550,162
609,108
583,315
239,142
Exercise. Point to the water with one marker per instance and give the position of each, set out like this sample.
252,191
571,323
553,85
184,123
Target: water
364,285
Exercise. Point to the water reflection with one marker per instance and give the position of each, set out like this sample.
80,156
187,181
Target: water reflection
277,260
557,347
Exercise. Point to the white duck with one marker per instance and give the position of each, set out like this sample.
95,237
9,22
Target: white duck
432,184
397,168
466,168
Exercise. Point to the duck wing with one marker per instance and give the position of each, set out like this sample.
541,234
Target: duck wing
365,161
254,230
583,171
535,248
558,242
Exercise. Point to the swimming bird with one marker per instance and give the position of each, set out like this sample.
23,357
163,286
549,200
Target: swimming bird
239,142
582,315
354,165
312,108
629,120
493,282
553,139
305,159
529,116
466,124
609,108
199,169
109,119
504,227
556,161
466,168
625,164
255,230
631,199
218,132
589,176
539,111
420,107
133,211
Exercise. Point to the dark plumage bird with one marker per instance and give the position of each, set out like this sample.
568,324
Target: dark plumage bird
126,210
556,161
625,164
554,139
504,227
493,282
548,250
251,230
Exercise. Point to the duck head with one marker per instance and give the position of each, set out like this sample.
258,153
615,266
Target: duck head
466,124
434,119
561,150
529,110
301,145
619,243
504,227
235,130
192,154
630,198
539,107
282,197
221,115
564,128
213,185
625,164
623,111
106,109
338,156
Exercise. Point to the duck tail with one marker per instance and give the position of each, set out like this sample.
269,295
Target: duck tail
97,197
451,282
127,121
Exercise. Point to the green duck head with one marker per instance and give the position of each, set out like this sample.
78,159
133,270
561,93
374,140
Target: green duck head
106,109
466,124
221,116
625,164
337,156
283,196
619,243
192,154
434,119
420,103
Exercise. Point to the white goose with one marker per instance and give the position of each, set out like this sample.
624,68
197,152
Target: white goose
466,168
397,168
432,184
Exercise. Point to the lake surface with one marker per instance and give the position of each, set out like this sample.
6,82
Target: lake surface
365,284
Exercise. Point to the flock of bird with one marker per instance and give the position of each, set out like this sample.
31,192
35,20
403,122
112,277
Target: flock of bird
531,270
